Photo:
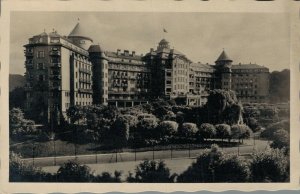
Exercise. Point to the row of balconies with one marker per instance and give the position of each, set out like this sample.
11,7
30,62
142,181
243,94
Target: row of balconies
55,53
85,70
27,88
55,88
120,85
85,80
55,77
122,92
129,77
29,65
120,76
84,90
56,65
28,53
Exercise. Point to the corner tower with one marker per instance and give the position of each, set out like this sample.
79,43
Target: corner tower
78,37
100,72
223,71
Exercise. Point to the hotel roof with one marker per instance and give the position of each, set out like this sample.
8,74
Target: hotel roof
78,32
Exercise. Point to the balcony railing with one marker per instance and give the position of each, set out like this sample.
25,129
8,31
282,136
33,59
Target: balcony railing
55,53
28,53
83,90
55,88
27,88
85,70
55,65
55,76
29,65
122,92
85,80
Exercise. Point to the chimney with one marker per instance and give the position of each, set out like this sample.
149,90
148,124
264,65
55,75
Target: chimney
133,53
118,51
151,49
126,52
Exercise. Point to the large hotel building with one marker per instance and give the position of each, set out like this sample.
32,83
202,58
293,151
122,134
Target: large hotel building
63,71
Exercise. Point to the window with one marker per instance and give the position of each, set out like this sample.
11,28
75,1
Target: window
41,78
168,82
40,54
41,66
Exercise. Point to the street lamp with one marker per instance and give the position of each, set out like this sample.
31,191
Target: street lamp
33,152
52,138
95,144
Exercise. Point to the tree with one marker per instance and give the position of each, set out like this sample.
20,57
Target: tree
119,133
272,165
222,106
252,123
281,139
151,172
203,169
19,126
19,171
240,132
207,131
271,129
223,131
146,128
188,130
215,166
74,172
232,169
131,120
17,98
75,113
106,177
168,128
280,86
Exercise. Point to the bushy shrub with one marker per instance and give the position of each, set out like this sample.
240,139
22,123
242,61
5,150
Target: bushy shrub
272,128
214,166
106,177
119,133
19,126
188,130
168,128
202,169
131,120
207,130
232,169
240,132
271,165
146,129
281,139
74,172
252,123
19,171
151,172
146,116
223,131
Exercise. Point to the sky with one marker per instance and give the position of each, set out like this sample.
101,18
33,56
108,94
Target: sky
261,38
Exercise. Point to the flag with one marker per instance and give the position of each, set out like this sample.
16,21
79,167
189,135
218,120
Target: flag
165,31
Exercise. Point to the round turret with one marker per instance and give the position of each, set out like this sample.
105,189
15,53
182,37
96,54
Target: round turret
223,60
77,36
163,44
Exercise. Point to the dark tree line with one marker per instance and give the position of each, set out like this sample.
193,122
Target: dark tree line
271,165
280,86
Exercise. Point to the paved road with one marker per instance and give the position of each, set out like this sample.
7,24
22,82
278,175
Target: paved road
248,148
